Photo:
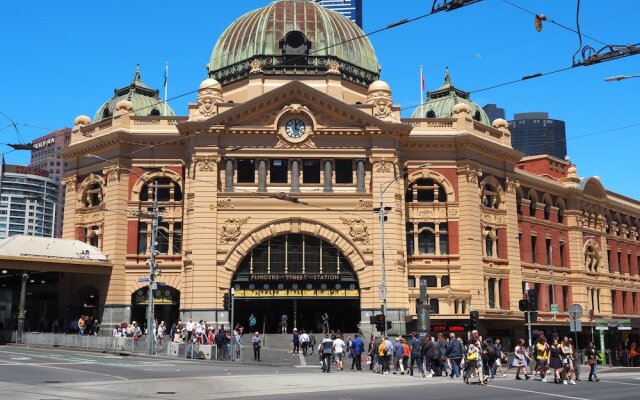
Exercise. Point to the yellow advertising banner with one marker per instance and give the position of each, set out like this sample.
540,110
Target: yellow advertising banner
258,293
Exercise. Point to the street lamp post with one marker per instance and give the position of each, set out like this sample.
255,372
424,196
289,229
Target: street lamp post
21,308
153,268
381,216
620,77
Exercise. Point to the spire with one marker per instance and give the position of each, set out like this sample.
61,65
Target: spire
136,76
447,76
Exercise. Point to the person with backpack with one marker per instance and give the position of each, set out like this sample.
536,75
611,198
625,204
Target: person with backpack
295,340
427,354
436,366
442,347
416,353
326,351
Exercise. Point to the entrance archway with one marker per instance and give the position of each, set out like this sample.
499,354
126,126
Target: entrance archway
166,301
299,275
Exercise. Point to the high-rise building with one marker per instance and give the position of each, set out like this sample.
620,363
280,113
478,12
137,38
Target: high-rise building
494,112
534,133
28,201
352,9
46,156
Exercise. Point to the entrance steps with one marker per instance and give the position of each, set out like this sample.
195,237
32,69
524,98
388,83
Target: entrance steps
283,341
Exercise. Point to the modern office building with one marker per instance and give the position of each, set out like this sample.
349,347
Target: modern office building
28,201
494,112
351,9
534,133
46,156
270,181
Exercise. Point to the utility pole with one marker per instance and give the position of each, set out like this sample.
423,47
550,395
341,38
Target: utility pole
231,328
155,216
21,308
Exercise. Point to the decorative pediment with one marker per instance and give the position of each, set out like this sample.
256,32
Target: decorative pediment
263,111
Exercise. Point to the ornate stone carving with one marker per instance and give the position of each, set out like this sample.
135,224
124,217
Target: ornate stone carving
473,175
357,229
295,108
493,217
206,163
512,185
383,166
364,205
285,144
91,218
435,213
256,66
209,94
334,68
225,203
381,102
231,229
113,173
70,183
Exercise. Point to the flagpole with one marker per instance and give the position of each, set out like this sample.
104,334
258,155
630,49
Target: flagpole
166,85
421,88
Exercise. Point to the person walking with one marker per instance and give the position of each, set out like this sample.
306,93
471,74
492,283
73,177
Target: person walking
416,353
471,364
357,348
427,354
326,350
295,340
339,348
454,352
237,343
555,361
304,342
567,361
592,360
520,360
256,342
405,354
398,351
442,348
283,323
325,323
497,346
542,358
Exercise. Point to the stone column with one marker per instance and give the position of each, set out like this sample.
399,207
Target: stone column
360,174
328,174
262,174
228,174
295,175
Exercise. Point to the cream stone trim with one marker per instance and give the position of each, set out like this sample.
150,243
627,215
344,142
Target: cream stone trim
149,176
436,176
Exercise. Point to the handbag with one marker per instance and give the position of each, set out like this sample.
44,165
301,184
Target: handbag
472,357
591,361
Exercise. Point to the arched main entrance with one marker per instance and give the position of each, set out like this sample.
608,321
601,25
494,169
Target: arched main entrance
301,276
166,305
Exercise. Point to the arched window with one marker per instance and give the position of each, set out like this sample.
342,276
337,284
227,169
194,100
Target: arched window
490,197
106,113
155,112
93,195
410,242
489,242
426,191
168,190
426,238
561,210
431,114
532,206
477,116
432,238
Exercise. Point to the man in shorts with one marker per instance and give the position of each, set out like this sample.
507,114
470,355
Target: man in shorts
542,358
497,345
339,349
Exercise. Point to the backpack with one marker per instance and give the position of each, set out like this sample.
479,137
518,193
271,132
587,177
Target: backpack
436,351
327,346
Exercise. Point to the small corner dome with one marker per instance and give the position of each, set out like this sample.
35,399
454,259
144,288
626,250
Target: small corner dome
124,105
81,120
210,83
379,85
461,108
500,123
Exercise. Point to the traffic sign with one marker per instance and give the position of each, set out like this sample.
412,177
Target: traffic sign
554,308
142,280
382,291
575,311
575,325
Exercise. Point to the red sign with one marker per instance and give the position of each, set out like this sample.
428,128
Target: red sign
444,328
21,169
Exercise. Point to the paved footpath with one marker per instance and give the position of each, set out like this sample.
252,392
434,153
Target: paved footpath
47,374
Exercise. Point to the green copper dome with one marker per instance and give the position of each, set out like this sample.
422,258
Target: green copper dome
144,99
290,37
440,103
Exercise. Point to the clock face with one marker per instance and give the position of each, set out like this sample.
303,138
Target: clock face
294,128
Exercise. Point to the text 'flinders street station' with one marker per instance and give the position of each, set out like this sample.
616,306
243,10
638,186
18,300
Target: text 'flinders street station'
271,183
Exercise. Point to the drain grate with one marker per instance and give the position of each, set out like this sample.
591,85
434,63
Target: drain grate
51,381
165,392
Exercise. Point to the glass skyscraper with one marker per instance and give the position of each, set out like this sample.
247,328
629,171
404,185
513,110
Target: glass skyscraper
352,9
534,133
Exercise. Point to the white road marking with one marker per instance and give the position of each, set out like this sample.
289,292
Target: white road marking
31,364
623,383
20,358
535,392
80,371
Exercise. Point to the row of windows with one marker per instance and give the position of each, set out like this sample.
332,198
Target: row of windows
278,171
431,281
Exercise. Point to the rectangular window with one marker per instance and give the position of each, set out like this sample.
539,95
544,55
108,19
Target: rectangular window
177,238
565,298
278,171
598,299
434,306
609,260
310,171
142,238
430,280
534,240
562,254
260,258
491,291
163,238
410,239
278,251
411,281
311,255
344,171
246,170
444,281
620,261
444,239
629,263
549,250
294,254
426,238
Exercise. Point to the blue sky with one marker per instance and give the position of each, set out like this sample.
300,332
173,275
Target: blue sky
63,59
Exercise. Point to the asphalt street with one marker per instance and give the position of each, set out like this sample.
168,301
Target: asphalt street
47,374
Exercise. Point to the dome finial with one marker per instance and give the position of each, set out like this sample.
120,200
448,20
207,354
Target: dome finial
447,76
136,76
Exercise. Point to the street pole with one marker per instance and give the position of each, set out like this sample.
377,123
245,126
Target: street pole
231,328
381,212
152,272
553,287
526,289
21,308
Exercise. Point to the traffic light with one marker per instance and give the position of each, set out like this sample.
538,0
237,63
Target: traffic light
532,296
474,320
380,322
226,302
524,305
389,325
